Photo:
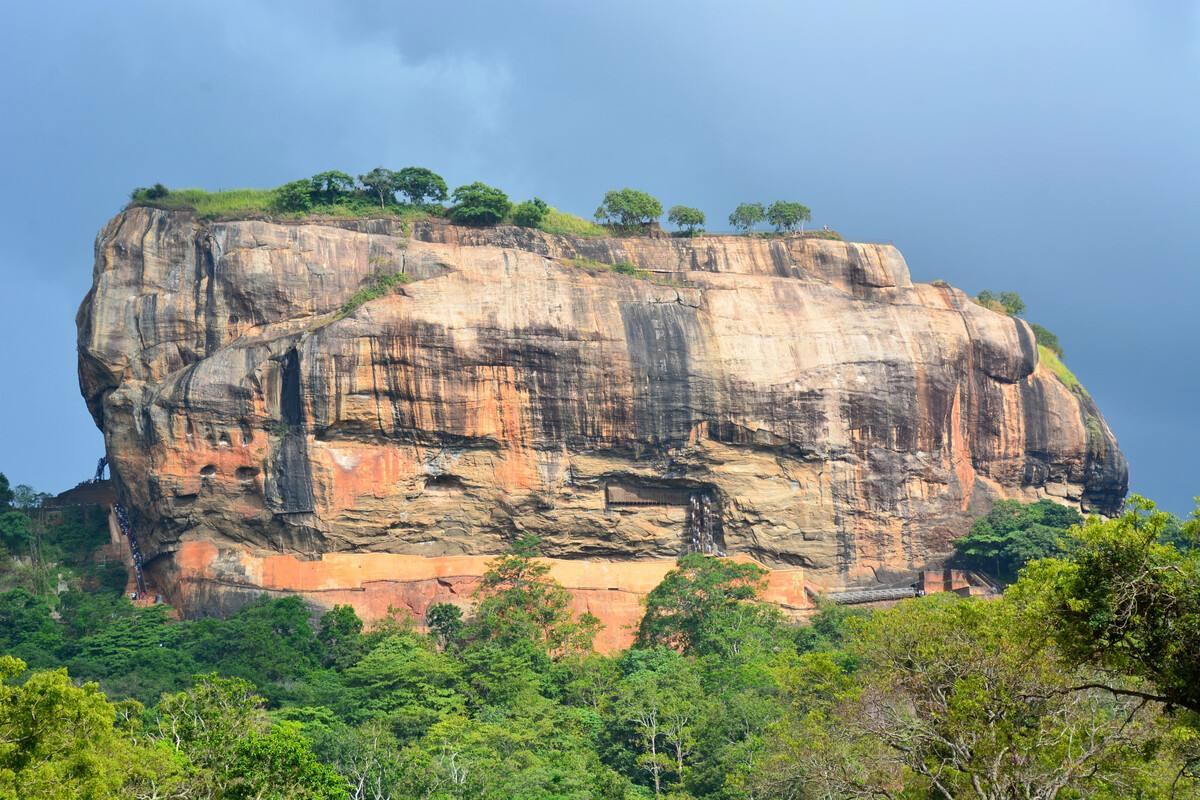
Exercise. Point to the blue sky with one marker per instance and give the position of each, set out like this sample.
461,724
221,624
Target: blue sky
1048,148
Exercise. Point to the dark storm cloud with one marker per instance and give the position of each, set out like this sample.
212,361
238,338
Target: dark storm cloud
1047,148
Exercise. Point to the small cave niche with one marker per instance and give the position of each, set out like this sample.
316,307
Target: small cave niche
224,440
246,474
703,531
207,471
444,484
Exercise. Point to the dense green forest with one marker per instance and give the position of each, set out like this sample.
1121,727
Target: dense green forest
1083,680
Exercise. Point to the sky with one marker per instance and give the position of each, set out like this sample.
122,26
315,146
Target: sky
1052,149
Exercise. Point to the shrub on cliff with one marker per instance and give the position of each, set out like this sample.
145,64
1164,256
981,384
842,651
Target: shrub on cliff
330,186
689,219
530,213
143,193
786,215
294,197
377,286
627,208
421,185
1003,303
1047,339
746,216
479,204
14,531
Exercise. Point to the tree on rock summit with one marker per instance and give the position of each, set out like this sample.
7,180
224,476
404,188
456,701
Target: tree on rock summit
382,183
530,213
786,215
479,204
422,185
627,208
747,215
689,219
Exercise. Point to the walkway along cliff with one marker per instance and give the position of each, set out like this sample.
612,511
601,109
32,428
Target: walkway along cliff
797,401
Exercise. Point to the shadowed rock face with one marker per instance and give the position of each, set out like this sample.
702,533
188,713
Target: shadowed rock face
837,416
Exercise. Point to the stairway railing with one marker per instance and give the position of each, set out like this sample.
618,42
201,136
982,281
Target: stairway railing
127,529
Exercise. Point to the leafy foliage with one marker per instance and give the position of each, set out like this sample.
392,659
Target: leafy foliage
950,699
1009,303
27,630
1046,339
341,637
293,197
688,218
59,740
155,192
746,216
479,204
707,604
1013,533
15,531
421,185
445,620
330,186
786,215
330,193
382,183
1125,601
530,213
628,208
1078,683
379,285
518,602
220,728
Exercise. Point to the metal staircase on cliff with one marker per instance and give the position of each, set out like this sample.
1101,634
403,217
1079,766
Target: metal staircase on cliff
127,529
856,596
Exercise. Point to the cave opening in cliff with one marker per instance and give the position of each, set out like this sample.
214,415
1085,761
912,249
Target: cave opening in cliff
703,531
444,484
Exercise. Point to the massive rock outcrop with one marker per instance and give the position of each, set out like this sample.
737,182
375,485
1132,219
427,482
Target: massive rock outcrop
794,400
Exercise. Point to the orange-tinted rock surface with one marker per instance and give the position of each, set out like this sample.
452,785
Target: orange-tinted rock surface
797,401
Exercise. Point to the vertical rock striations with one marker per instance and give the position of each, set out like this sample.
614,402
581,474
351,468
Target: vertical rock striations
798,401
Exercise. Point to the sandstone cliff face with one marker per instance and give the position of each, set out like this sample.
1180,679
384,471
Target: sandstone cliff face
798,401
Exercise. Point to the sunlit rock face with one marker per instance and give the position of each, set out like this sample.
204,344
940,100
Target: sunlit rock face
821,410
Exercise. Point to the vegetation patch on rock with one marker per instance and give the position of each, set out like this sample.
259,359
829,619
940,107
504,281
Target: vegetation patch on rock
626,268
379,285
1055,364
